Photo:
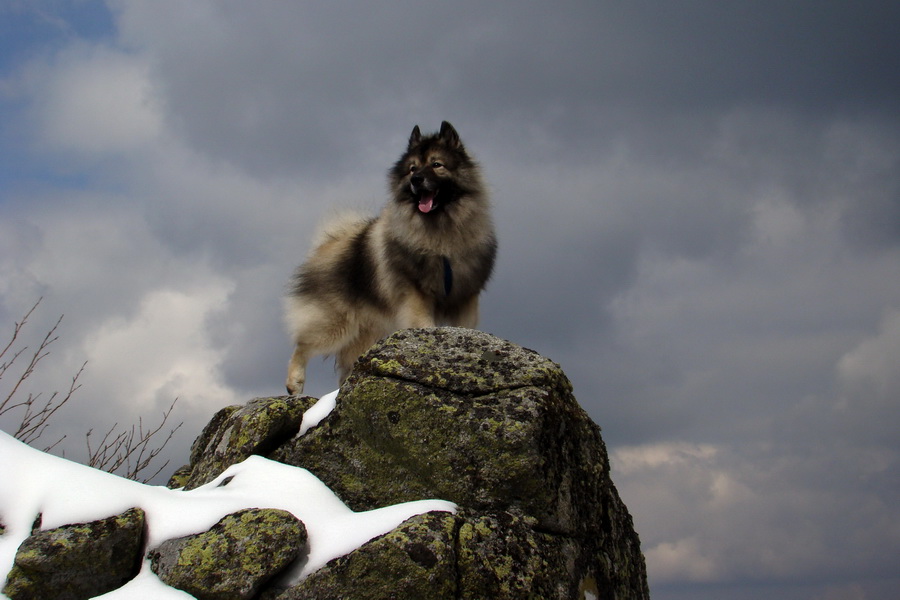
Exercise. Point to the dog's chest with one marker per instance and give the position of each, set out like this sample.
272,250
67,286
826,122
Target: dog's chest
437,278
441,277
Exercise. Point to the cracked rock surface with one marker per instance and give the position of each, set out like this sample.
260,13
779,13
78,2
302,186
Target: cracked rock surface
464,416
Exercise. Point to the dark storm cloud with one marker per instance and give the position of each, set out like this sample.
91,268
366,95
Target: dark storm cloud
279,90
707,55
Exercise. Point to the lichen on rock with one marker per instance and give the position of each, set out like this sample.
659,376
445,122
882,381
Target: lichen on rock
415,560
462,361
78,561
467,417
443,413
234,558
236,432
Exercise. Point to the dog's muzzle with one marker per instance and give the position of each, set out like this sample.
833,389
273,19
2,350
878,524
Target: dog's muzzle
421,190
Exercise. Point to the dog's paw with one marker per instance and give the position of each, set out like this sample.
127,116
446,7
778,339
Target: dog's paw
294,388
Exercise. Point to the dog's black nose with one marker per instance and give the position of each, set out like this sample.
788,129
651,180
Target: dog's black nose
416,179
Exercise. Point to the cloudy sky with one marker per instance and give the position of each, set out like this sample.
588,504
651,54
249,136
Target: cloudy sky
697,202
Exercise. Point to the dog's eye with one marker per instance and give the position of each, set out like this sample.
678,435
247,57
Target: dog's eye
436,164
412,168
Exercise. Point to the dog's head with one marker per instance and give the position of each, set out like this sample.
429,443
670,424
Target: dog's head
434,172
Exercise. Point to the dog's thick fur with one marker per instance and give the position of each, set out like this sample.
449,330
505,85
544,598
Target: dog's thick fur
423,261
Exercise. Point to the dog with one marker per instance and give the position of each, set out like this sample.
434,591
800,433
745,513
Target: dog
422,262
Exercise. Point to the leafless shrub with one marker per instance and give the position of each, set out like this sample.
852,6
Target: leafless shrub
130,449
36,412
129,452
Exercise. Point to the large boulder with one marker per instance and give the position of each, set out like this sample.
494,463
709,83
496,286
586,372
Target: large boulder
78,561
467,417
463,416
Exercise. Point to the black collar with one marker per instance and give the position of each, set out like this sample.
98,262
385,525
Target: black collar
448,276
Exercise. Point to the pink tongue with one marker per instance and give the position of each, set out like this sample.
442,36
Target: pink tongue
426,203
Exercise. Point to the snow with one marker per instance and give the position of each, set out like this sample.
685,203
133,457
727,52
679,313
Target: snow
318,411
64,492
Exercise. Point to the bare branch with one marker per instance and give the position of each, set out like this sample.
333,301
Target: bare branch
130,450
16,329
104,457
36,413
5,366
36,417
39,354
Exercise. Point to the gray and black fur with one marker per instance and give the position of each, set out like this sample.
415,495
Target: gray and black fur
423,261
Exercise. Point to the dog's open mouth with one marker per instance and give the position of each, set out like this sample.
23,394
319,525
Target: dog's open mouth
425,197
427,202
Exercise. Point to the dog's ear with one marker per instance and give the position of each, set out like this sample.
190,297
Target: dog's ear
415,137
449,135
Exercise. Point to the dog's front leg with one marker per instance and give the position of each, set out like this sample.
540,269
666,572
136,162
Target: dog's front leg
296,377
416,310
468,314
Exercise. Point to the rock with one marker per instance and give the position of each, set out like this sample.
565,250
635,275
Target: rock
444,413
425,415
236,432
415,560
234,558
464,416
441,556
179,478
78,561
464,361
502,555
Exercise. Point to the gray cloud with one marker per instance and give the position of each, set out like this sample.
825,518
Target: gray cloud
250,87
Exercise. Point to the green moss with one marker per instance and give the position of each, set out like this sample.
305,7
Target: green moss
415,560
78,561
386,366
238,432
466,417
234,557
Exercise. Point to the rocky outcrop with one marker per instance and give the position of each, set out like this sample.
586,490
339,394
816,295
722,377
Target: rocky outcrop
467,417
439,413
78,561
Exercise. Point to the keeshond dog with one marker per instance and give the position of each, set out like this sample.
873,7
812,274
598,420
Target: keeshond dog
422,262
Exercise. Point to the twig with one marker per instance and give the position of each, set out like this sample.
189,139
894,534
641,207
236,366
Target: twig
130,449
35,418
